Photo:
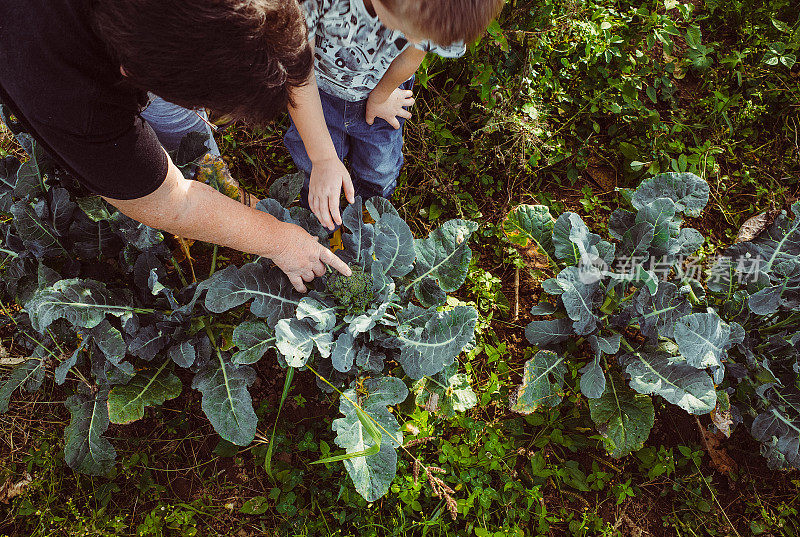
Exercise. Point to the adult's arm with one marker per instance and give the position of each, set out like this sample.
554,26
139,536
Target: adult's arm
197,211
328,174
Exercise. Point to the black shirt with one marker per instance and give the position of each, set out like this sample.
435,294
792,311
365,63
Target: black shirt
59,80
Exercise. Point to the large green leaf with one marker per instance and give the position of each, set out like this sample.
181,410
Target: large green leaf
226,400
593,380
344,352
322,317
784,291
426,349
542,383
542,333
286,189
531,225
296,341
92,239
31,174
688,192
84,303
623,417
660,214
581,298
270,290
781,240
446,393
184,353
85,449
35,230
394,246
253,338
572,240
126,403
28,376
359,237
148,342
781,435
703,339
658,313
657,373
372,474
443,256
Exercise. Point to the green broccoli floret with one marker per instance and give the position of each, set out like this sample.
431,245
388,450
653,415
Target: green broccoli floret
353,292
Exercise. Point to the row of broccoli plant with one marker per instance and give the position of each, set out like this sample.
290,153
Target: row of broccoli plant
651,326
98,298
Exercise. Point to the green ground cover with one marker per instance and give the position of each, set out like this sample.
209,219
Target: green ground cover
564,104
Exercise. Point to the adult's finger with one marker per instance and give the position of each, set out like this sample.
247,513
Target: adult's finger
297,283
394,123
407,93
307,276
404,113
319,268
409,101
330,259
370,119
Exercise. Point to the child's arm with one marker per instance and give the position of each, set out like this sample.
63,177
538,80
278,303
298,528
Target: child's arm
387,100
328,174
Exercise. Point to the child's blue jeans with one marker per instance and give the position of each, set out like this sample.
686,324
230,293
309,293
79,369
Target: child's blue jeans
375,151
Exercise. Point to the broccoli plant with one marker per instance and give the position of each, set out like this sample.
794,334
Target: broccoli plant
631,305
100,301
348,329
652,327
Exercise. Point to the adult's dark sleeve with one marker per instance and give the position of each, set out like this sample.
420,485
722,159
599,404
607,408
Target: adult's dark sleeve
123,160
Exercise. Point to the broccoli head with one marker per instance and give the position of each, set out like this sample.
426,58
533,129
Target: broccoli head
353,292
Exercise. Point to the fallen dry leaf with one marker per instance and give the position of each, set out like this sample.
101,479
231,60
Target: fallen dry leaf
720,460
754,226
722,421
11,490
604,176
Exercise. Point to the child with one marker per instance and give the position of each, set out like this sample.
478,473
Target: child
366,53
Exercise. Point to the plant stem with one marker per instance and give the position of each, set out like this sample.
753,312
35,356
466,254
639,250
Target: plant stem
213,261
179,271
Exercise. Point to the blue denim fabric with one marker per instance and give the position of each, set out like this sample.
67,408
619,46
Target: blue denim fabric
172,122
375,151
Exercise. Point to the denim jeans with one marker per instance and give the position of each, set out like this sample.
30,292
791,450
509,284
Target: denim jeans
172,122
375,151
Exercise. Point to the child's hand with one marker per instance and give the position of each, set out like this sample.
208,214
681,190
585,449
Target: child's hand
391,108
325,186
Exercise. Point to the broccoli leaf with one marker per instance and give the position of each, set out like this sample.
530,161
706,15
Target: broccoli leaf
688,192
623,417
126,403
85,449
541,383
426,349
443,256
226,400
371,474
680,384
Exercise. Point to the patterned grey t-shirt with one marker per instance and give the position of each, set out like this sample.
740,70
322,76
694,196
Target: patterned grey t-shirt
353,49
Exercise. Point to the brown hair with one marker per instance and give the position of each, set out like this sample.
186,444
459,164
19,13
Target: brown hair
447,21
237,57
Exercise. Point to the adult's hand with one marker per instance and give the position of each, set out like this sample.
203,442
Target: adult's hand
303,258
197,211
